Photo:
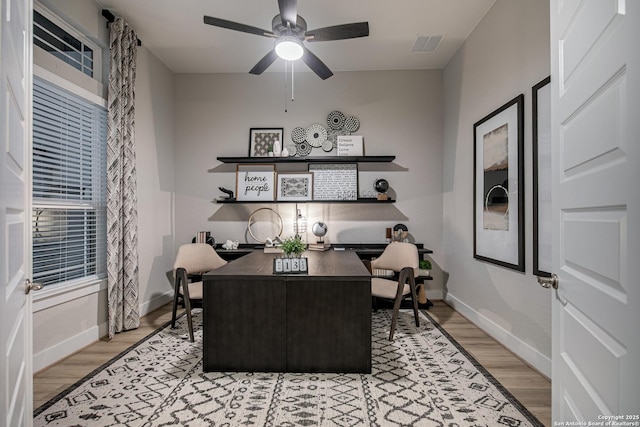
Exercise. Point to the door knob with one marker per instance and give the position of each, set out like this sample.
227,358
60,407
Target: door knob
548,282
29,286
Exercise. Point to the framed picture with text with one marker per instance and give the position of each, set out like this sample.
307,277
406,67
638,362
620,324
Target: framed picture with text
255,182
498,186
260,139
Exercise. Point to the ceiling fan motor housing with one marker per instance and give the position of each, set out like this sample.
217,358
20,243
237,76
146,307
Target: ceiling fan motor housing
280,30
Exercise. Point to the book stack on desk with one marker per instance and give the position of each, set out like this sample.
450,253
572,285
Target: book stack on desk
318,246
273,250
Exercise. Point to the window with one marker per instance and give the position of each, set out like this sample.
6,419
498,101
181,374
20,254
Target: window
69,186
61,44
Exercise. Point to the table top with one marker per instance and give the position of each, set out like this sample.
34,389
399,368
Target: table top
334,264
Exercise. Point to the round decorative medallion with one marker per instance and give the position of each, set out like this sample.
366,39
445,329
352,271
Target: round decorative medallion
316,135
335,120
351,124
327,145
298,135
292,149
304,149
332,135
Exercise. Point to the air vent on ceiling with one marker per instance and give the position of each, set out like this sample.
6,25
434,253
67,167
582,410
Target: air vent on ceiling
425,44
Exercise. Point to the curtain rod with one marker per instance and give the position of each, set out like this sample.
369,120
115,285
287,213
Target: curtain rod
110,17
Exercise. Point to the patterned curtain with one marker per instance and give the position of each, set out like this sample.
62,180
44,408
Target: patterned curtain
122,215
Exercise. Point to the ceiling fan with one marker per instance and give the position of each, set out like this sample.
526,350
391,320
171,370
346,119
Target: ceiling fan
290,31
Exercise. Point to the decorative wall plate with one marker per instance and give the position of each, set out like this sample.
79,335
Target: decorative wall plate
316,135
351,124
327,145
332,135
304,149
298,134
335,120
292,149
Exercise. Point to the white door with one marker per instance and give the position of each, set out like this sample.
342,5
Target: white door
595,128
16,394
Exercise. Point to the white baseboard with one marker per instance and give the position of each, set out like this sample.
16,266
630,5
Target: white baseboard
67,347
530,355
155,303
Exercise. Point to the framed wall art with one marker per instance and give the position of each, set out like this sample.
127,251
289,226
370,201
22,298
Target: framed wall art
335,181
255,182
261,138
294,186
541,128
498,183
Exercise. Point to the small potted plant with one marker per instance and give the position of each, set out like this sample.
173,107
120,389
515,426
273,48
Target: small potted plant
293,246
424,267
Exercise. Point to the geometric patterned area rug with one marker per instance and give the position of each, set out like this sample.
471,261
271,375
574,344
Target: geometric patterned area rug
422,378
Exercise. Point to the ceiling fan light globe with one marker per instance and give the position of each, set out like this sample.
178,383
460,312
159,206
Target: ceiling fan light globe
289,48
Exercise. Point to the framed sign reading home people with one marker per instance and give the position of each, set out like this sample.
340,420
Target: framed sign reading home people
255,182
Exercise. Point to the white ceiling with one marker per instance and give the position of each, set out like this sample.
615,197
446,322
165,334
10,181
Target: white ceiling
173,30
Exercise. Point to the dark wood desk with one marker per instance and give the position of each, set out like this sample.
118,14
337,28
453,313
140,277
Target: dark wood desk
364,250
316,322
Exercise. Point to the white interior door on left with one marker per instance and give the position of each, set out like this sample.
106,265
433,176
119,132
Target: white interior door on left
16,394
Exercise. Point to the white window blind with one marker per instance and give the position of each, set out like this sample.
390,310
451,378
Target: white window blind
69,186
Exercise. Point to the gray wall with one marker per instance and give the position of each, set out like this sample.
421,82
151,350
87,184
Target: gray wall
65,322
506,55
400,114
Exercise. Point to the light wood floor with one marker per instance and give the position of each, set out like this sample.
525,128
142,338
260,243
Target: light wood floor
529,387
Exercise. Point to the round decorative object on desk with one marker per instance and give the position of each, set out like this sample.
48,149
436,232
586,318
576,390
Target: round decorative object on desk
319,229
263,224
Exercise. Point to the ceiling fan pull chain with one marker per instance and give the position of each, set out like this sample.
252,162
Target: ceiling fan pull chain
285,86
292,82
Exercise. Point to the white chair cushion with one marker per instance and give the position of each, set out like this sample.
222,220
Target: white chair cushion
195,290
385,288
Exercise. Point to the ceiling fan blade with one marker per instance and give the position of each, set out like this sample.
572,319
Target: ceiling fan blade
230,25
316,65
338,32
288,12
264,63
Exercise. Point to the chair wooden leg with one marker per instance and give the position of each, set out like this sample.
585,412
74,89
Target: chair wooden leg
175,303
414,297
396,310
189,319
